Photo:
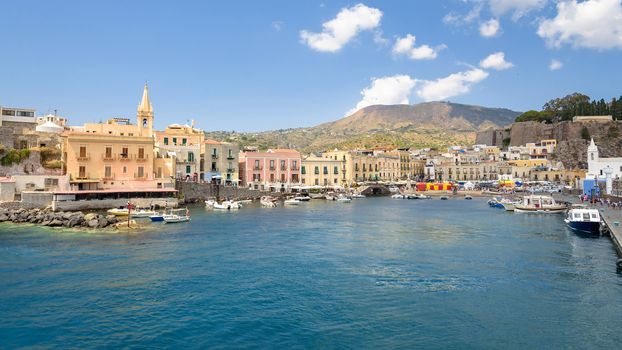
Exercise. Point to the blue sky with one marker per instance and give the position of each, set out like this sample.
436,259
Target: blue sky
253,65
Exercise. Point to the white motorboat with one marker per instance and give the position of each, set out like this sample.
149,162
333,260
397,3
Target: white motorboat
444,198
291,201
584,219
302,198
468,196
227,205
539,204
344,199
398,196
357,196
210,203
176,216
268,201
143,213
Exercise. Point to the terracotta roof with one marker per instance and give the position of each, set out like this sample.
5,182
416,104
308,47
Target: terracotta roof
212,142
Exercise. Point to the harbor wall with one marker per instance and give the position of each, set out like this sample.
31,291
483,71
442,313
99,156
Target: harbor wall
99,204
193,191
37,199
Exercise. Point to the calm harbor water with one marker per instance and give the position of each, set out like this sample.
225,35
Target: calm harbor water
376,273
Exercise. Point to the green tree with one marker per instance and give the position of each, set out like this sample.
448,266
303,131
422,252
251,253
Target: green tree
585,134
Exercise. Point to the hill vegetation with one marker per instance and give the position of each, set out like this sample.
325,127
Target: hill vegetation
564,108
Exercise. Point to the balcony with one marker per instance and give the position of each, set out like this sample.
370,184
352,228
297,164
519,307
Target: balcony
83,157
138,176
108,157
124,157
231,170
108,177
257,167
272,168
214,170
230,157
142,158
214,156
82,176
283,168
295,168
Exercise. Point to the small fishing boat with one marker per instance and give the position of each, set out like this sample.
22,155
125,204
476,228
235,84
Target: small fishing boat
268,201
227,205
176,215
422,196
581,218
210,203
357,196
398,196
331,196
444,198
158,217
302,198
539,204
468,197
143,213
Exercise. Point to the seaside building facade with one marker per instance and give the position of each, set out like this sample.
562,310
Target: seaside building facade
183,144
596,165
115,155
221,162
273,170
320,171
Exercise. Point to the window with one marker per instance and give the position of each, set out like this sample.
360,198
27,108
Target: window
125,153
175,141
325,170
272,164
145,122
166,140
335,170
141,153
303,170
82,151
317,170
141,171
188,169
190,157
256,164
50,182
124,170
82,171
230,154
317,182
282,177
107,171
294,165
184,141
214,151
108,152
283,167
325,182
214,166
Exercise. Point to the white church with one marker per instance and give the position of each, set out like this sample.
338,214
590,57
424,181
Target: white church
597,168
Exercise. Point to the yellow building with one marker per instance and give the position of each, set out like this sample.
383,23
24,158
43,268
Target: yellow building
221,161
319,171
184,144
115,155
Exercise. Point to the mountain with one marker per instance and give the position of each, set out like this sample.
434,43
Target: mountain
430,124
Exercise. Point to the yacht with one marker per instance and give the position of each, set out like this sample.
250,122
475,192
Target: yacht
227,205
581,218
539,204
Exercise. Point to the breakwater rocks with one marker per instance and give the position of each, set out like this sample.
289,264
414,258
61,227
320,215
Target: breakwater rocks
46,217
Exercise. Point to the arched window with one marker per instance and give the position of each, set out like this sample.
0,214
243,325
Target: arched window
144,122
190,157
592,156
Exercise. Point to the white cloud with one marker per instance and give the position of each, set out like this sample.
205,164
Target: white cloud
452,85
594,24
386,91
496,61
555,65
518,8
398,89
490,28
406,46
337,32
453,18
277,25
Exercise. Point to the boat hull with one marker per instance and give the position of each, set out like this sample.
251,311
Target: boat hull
553,210
156,218
584,226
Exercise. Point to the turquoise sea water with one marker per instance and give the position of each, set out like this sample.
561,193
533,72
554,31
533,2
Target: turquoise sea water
376,273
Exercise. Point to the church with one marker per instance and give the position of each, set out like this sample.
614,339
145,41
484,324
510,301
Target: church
597,165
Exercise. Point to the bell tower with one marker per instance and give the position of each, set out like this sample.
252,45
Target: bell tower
592,159
144,116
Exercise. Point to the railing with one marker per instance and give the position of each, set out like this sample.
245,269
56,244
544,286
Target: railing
283,168
272,168
83,157
230,170
214,156
108,157
295,168
257,168
108,177
82,176
230,157
142,158
125,157
139,176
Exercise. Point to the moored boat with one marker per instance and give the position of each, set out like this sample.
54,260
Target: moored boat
119,211
176,216
158,217
227,205
468,196
581,218
444,198
142,213
268,201
291,201
344,199
539,204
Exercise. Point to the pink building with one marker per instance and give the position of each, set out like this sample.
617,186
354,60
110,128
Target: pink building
274,170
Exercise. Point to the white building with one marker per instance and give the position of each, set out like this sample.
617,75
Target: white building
596,165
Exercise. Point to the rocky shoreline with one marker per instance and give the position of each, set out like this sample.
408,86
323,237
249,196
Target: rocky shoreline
47,217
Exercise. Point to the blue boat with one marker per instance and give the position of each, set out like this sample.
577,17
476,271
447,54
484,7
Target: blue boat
157,217
583,219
